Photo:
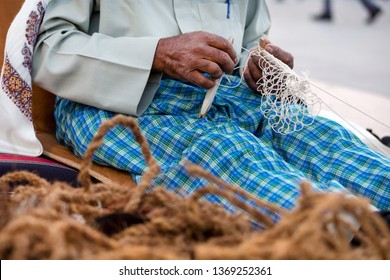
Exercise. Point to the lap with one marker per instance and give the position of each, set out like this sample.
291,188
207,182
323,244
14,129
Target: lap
235,143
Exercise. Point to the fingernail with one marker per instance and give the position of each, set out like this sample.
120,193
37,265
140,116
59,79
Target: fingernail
236,60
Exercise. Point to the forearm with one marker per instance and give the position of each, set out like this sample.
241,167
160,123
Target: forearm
97,70
258,24
80,73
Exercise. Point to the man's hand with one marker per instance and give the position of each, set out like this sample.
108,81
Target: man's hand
188,56
253,73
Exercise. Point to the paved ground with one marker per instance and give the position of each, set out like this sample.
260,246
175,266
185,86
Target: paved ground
346,57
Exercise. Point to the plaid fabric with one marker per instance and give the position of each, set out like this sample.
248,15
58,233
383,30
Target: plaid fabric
235,143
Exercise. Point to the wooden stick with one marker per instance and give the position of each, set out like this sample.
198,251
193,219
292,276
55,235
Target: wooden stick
210,94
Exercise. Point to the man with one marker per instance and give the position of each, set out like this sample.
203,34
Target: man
373,11
155,60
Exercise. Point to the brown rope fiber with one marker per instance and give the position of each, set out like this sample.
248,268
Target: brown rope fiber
44,220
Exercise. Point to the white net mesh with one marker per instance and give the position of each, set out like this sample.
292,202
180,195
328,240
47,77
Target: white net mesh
288,102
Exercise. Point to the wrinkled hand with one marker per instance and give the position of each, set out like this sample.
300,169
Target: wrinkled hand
253,73
188,56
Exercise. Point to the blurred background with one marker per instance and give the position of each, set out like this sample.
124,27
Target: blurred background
346,56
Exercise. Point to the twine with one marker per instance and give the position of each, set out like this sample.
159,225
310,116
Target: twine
52,220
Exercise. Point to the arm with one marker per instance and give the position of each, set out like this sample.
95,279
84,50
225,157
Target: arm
258,25
93,69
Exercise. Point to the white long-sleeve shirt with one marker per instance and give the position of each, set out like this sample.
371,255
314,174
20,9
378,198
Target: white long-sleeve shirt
100,52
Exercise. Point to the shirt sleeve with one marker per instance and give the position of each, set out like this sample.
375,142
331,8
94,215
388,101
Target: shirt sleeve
258,24
72,61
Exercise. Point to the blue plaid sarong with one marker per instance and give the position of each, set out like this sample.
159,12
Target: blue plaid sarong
235,143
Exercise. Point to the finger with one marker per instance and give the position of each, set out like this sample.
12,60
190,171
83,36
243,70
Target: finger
222,59
197,78
209,67
281,54
223,45
249,80
254,69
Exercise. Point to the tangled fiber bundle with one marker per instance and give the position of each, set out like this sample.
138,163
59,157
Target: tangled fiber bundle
42,220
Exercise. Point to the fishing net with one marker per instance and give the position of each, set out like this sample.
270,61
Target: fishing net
44,220
288,100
